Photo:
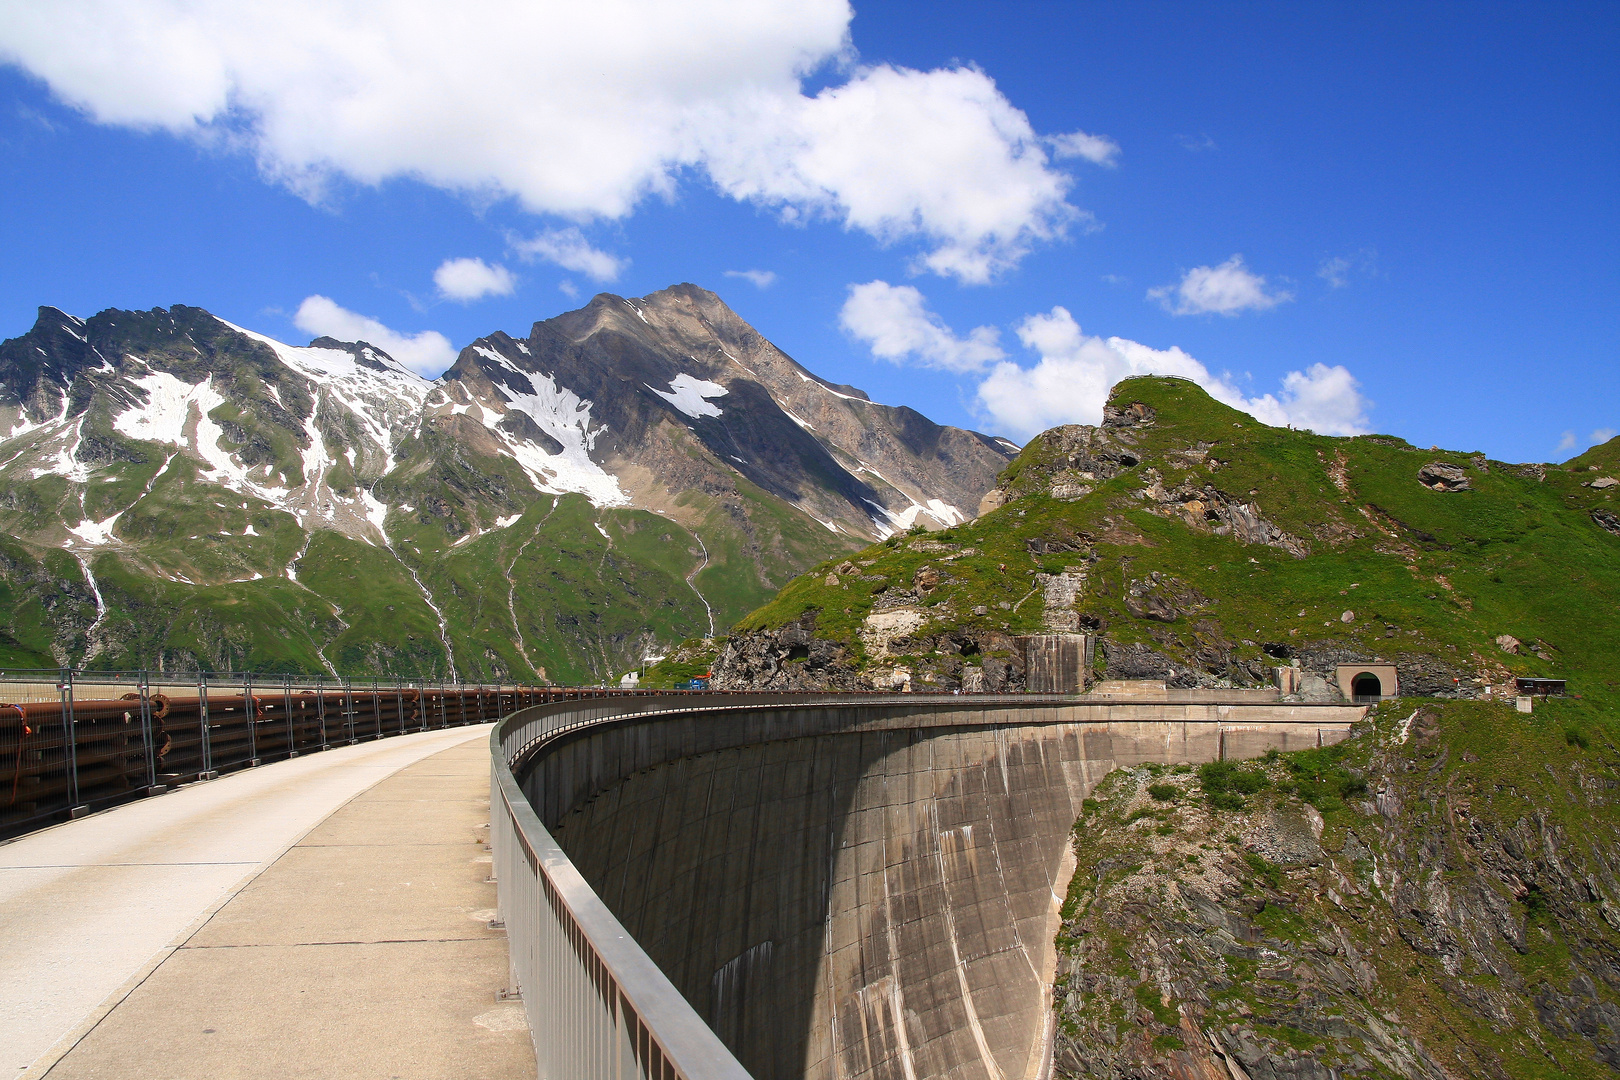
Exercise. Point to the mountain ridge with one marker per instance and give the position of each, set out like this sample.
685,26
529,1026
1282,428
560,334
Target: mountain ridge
196,459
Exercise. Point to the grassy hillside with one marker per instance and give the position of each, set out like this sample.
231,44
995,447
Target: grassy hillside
567,592
1204,543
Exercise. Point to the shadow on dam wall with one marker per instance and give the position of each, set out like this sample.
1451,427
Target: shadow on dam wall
877,903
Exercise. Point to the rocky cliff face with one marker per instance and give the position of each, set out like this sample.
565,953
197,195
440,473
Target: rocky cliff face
180,492
1435,898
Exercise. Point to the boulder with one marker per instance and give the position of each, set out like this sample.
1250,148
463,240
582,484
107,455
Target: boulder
1606,520
1443,476
1136,414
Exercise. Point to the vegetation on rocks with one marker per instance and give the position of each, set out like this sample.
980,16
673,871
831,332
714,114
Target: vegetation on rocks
1439,896
691,659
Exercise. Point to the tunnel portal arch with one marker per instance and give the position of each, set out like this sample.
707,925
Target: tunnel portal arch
1368,682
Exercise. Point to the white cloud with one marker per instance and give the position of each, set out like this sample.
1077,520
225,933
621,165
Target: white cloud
1070,383
1097,149
894,321
427,353
569,249
938,156
1567,442
576,110
568,288
1603,435
1222,290
762,279
1196,143
467,280
1335,271
1326,400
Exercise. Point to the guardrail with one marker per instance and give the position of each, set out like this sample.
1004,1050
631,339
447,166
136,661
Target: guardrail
597,1005
73,741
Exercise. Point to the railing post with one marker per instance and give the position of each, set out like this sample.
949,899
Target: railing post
348,708
147,741
206,741
376,706
248,707
70,742
286,696
320,710
399,704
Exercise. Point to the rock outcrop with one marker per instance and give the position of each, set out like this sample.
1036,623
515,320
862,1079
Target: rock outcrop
1436,898
1443,476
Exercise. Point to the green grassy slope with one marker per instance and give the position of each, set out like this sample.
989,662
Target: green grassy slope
1432,577
567,592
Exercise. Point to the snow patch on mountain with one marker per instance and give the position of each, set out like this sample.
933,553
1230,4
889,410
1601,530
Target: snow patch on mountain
690,395
566,417
167,411
175,407
376,512
802,423
887,522
386,398
96,533
66,464
818,384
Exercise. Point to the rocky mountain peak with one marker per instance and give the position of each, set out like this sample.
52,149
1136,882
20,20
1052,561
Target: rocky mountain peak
177,445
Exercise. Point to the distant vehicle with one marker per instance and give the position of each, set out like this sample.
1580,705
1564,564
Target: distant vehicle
693,684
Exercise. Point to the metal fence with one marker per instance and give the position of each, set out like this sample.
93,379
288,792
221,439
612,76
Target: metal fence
72,742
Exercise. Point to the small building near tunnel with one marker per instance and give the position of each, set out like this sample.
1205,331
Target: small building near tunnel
1367,682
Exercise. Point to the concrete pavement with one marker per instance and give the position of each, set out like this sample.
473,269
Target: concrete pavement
318,917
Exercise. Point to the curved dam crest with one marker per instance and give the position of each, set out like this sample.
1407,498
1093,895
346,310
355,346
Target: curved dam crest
867,890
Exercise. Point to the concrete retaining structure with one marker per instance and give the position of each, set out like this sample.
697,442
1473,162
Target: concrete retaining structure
857,887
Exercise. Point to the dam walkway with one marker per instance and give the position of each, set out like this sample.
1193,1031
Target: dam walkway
323,916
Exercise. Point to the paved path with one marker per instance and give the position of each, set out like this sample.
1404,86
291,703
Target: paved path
321,917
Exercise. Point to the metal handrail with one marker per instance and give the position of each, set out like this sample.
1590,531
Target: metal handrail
631,1021
596,1003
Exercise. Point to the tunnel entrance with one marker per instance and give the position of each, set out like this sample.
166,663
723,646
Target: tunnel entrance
1366,687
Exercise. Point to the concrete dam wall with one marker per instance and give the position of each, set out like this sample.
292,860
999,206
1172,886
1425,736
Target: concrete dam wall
867,890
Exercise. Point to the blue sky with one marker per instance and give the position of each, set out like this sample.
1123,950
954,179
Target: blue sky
1348,217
